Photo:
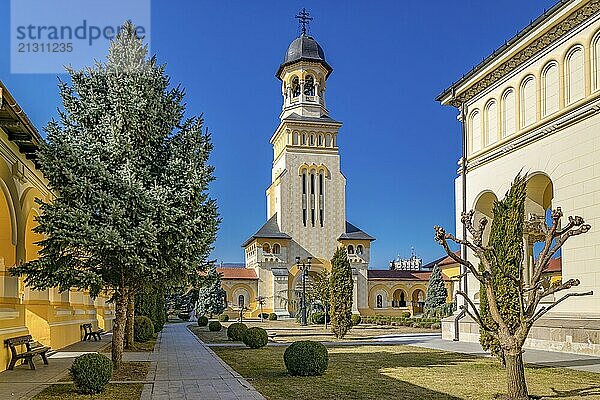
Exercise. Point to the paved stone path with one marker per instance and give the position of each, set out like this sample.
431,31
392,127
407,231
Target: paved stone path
185,369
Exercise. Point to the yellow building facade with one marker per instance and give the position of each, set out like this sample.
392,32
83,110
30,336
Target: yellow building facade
51,317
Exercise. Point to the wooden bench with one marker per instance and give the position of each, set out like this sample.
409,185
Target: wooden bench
33,348
89,332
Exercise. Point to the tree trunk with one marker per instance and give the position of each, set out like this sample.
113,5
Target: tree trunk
119,328
515,376
130,320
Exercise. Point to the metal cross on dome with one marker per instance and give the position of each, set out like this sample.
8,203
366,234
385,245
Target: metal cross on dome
304,19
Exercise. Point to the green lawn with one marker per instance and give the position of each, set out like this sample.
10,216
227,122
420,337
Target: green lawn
393,372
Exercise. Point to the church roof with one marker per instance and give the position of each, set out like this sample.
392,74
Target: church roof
399,274
304,48
355,233
270,230
302,118
237,273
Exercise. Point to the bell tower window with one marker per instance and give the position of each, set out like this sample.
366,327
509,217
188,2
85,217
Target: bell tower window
304,198
309,86
295,87
312,198
321,199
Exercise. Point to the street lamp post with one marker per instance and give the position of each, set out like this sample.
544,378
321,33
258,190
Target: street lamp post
304,267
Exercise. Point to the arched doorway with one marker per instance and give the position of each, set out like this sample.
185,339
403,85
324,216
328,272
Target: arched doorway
418,301
399,298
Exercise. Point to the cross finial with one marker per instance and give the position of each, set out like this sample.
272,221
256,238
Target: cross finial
304,19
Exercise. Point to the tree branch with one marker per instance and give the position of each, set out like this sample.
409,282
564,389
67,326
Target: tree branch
544,310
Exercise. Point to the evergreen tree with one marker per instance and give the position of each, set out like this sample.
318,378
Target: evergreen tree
341,293
131,176
321,291
151,303
211,296
436,290
509,309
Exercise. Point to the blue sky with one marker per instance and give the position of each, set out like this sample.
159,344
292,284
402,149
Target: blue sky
399,148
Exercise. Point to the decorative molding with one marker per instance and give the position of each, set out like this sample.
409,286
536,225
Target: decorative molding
537,46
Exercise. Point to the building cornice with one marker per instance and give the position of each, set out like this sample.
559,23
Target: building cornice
470,85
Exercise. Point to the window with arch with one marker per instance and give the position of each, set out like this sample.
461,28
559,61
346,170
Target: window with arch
596,62
509,115
295,138
321,199
327,140
295,86
266,248
276,248
379,301
309,86
312,198
304,139
550,89
491,122
304,190
528,102
475,128
350,249
574,76
359,250
320,140
312,140
241,300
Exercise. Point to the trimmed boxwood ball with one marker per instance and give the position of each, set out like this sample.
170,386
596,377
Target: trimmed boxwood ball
355,319
263,315
143,329
91,372
202,321
214,326
306,358
256,337
272,317
236,331
223,317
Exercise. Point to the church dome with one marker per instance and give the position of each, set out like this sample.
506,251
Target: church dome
304,48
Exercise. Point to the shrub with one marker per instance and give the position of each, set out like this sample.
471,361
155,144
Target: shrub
91,372
319,318
416,325
143,329
436,325
223,317
151,303
356,319
202,320
255,338
306,358
263,315
405,314
214,326
236,331
272,317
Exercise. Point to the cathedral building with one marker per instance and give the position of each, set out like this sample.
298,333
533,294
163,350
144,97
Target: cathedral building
306,208
533,106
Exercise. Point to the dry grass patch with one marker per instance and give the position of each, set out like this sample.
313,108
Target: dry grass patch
393,372
123,391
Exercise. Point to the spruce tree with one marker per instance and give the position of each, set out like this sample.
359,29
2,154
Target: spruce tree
436,290
131,176
341,293
211,296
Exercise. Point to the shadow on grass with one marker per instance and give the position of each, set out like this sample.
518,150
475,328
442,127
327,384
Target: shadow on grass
582,392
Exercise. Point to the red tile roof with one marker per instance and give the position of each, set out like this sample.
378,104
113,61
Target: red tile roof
237,273
403,275
449,260
555,265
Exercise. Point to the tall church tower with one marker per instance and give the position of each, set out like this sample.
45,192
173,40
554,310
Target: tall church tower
306,201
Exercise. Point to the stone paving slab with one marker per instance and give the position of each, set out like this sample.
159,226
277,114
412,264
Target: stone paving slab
184,368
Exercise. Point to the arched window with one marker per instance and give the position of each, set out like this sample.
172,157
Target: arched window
574,76
276,249
266,248
509,116
304,190
350,249
379,301
475,129
312,140
491,122
309,86
295,87
241,300
327,140
321,199
528,102
359,250
320,140
550,87
304,139
596,63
